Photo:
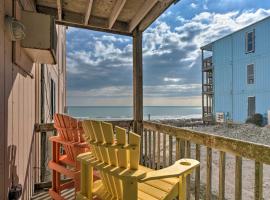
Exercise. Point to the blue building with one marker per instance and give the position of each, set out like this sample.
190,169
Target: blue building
236,73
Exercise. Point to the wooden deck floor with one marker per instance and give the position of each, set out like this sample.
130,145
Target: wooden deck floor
44,195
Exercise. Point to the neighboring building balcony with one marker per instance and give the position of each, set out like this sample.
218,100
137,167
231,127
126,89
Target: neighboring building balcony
207,88
207,109
208,117
207,64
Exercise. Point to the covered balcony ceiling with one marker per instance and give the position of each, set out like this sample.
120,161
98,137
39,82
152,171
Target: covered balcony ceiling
115,16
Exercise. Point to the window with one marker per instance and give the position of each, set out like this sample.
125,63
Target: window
250,41
250,74
52,98
251,106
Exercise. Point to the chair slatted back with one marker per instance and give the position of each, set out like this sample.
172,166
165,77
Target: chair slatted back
69,129
113,150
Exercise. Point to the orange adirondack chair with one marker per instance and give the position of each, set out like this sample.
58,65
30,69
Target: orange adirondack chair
71,138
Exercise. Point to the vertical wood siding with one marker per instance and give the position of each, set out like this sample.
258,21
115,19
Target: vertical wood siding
2,100
20,109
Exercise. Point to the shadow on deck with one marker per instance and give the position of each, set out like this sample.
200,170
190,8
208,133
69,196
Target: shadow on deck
44,195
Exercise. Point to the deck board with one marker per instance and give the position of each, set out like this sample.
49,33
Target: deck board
44,195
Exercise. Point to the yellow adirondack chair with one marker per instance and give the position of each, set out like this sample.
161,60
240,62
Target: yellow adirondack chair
121,175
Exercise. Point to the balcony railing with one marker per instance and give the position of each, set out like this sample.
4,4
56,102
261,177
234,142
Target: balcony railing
208,88
207,64
162,144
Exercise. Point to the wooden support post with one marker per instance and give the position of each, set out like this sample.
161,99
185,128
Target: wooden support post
137,82
202,88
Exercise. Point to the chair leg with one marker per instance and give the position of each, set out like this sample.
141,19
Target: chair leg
77,181
56,182
182,187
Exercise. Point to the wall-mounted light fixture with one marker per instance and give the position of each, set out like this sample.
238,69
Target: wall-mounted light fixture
15,28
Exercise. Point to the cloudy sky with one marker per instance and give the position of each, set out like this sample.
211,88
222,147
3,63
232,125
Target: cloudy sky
99,65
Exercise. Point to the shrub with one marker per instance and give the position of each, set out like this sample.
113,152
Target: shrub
256,119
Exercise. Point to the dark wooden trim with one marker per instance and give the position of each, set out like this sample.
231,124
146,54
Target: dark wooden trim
155,12
44,127
74,19
59,9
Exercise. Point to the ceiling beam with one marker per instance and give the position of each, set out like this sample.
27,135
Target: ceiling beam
59,9
145,8
157,10
77,20
115,12
88,12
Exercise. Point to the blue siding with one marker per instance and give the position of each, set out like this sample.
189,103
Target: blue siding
230,72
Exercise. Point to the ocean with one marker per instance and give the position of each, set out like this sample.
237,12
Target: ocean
125,112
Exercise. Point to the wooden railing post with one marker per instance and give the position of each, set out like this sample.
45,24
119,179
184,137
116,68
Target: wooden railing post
188,155
158,151
238,177
145,148
222,164
137,82
258,181
198,173
209,174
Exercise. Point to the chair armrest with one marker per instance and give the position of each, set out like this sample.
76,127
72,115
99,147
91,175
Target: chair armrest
82,145
180,167
84,156
57,139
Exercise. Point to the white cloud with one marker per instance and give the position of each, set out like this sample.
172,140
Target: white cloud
180,18
112,38
193,5
102,53
175,80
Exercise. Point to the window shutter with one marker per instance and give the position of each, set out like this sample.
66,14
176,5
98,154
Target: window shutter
251,106
246,42
250,74
253,40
